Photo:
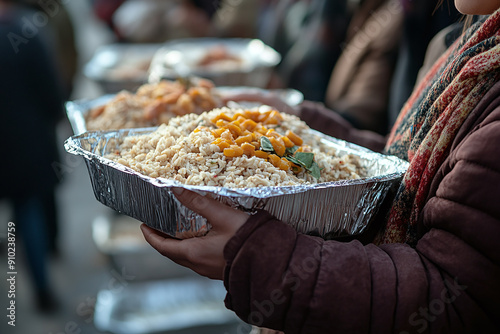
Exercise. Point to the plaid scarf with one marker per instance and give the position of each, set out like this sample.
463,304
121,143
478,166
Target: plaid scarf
432,116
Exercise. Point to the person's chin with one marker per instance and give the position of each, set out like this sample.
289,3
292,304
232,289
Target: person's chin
477,7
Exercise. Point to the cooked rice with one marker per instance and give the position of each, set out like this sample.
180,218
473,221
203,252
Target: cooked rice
154,104
175,152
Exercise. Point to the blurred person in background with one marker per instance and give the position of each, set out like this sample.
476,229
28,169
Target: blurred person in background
308,35
360,82
236,18
431,261
340,53
59,35
377,62
411,52
31,99
381,58
104,11
156,21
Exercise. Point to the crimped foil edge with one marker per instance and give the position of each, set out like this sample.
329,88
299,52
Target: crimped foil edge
333,208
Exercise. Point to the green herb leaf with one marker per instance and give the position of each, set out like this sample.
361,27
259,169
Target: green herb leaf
291,150
265,144
294,160
306,158
315,171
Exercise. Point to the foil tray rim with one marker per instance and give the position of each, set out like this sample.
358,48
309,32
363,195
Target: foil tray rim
71,145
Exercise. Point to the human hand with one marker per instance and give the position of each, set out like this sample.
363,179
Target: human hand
203,255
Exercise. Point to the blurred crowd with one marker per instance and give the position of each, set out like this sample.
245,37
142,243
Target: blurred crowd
361,58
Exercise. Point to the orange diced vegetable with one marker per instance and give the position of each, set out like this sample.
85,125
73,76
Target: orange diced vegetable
294,138
233,151
244,139
221,123
248,125
235,129
261,129
238,115
285,164
248,149
227,134
274,118
272,133
287,141
223,145
263,116
278,145
252,114
256,144
221,116
261,154
218,132
275,160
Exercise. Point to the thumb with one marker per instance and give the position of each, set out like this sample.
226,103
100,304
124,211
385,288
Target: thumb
219,215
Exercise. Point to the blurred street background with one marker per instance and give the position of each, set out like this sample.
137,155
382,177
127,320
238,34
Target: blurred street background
80,270
359,58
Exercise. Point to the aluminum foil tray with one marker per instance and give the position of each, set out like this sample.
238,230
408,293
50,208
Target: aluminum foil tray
327,209
181,57
121,65
77,111
164,306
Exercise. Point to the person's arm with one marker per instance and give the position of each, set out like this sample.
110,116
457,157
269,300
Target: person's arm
331,123
448,283
280,279
303,284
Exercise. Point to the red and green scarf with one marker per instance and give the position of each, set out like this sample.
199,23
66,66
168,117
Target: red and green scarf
432,116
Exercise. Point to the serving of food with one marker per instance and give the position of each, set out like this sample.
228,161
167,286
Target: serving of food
225,61
177,134
248,159
219,58
154,104
236,148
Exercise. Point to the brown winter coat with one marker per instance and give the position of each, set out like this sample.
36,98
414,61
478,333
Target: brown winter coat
448,283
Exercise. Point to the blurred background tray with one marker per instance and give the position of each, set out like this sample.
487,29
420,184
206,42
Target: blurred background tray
166,306
121,66
182,57
77,111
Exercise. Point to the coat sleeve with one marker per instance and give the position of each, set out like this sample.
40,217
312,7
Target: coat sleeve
320,118
309,285
448,283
